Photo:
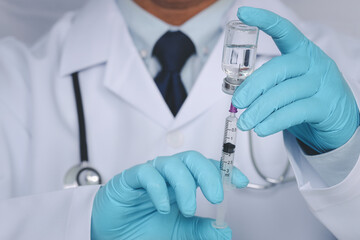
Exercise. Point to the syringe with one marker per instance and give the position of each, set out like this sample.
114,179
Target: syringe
226,165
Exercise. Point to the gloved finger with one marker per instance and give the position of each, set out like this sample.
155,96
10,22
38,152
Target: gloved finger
277,97
200,229
238,178
205,174
305,110
175,172
285,35
147,177
269,75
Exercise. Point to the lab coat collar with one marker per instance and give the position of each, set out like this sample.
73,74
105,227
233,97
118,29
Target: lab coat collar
88,41
128,78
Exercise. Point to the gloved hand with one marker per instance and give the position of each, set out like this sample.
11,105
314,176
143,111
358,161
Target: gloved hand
302,90
156,200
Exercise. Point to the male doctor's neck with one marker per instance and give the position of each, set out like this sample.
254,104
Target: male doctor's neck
174,12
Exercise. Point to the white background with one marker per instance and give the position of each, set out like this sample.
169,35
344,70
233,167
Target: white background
28,19
343,15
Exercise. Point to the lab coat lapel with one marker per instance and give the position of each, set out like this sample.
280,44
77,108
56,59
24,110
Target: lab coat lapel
127,77
107,41
207,89
86,46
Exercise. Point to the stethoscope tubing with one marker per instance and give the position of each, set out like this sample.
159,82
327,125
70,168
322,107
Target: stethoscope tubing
270,182
84,157
81,118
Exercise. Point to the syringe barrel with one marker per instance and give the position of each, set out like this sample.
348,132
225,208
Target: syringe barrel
227,158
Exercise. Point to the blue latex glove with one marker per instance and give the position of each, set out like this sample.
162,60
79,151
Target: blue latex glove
156,200
302,90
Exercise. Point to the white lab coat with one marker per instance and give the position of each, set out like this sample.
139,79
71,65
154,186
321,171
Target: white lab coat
128,123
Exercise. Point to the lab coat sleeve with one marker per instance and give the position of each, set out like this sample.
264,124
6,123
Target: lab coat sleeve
336,206
330,182
64,214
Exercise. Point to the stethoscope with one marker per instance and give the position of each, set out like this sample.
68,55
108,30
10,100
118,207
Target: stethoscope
83,174
269,182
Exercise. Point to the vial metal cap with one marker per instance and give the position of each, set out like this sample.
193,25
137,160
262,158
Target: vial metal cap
229,85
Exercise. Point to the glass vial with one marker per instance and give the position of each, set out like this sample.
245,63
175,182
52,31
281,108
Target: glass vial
239,54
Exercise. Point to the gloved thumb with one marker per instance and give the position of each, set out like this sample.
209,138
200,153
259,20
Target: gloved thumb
200,229
286,36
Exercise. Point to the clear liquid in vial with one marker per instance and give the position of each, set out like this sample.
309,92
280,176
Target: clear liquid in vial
238,60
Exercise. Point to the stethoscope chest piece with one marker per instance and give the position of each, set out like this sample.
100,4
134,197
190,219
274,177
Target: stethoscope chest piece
80,175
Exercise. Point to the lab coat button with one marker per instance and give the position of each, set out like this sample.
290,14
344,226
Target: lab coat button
175,139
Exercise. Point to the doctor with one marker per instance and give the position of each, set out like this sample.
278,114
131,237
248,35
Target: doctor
109,45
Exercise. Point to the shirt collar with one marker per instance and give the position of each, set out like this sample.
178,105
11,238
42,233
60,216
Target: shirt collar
209,23
146,28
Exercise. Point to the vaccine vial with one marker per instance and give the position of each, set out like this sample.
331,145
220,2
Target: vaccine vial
239,54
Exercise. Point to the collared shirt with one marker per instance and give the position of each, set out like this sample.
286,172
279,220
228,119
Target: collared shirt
203,29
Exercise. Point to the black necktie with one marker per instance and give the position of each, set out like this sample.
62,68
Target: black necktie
172,50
